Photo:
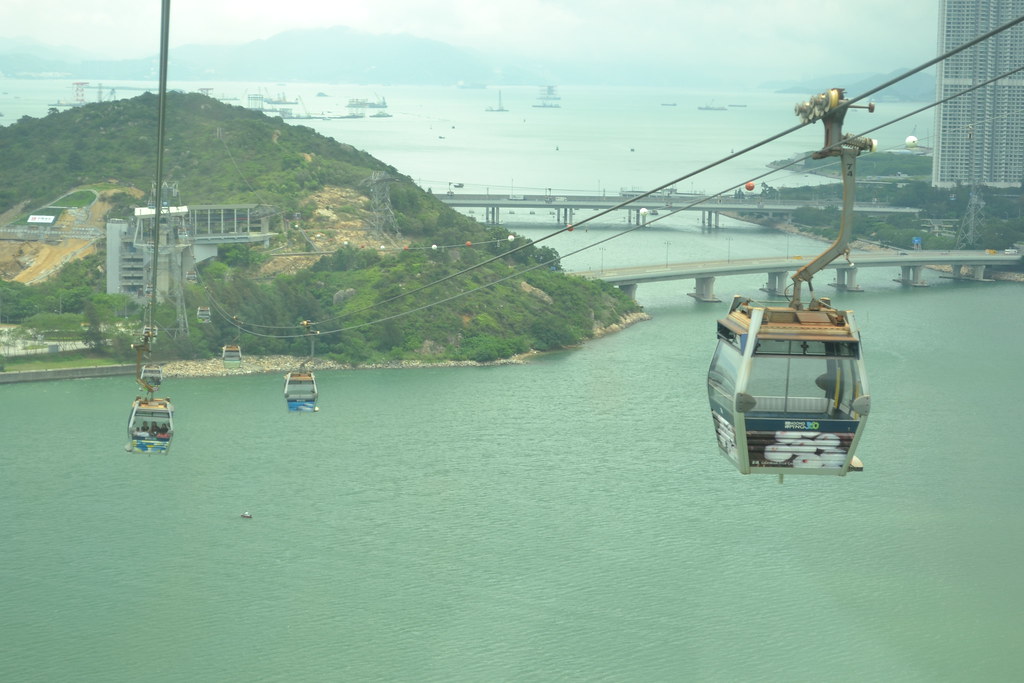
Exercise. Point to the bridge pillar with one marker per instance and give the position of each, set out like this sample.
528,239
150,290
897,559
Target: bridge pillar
493,215
911,275
846,279
709,219
629,289
563,214
777,282
704,290
969,272
635,217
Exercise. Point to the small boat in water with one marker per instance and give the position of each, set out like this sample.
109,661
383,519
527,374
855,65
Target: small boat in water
246,515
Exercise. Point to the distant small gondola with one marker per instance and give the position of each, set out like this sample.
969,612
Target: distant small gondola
300,392
150,425
152,375
231,355
203,314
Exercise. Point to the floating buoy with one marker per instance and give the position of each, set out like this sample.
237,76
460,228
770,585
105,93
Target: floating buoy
750,185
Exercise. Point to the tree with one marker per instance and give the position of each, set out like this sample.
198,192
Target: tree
92,332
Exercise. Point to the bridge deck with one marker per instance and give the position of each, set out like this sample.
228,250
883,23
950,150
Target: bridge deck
682,271
777,268
675,202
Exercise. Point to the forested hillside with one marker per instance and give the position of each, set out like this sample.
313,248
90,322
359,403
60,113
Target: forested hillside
367,304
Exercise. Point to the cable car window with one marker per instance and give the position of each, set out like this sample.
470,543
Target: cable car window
815,385
724,368
786,347
725,334
785,377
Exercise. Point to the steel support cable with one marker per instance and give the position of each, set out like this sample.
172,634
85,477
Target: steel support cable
639,227
241,326
633,200
804,158
945,55
567,228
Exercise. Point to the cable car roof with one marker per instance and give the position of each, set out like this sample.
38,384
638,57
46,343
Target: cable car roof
783,322
155,404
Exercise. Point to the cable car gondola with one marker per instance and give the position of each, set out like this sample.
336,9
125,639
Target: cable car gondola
203,314
300,392
787,384
231,355
788,389
150,425
153,375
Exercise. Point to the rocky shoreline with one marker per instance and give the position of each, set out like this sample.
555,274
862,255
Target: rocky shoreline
258,365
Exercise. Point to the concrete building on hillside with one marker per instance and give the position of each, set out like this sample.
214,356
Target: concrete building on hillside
189,235
979,136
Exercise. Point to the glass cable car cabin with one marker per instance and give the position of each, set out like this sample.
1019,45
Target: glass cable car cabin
788,390
203,314
300,392
231,356
153,375
150,425
787,385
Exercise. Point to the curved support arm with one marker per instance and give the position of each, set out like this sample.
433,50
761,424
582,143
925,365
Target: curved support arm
830,108
841,245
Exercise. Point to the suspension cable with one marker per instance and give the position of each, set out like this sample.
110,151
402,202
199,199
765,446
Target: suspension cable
632,200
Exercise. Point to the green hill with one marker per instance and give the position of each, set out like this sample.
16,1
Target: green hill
408,302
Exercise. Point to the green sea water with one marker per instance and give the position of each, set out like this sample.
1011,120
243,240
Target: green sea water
567,519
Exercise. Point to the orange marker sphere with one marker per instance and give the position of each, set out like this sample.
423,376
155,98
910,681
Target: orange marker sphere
750,185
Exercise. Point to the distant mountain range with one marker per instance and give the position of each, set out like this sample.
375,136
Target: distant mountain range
343,55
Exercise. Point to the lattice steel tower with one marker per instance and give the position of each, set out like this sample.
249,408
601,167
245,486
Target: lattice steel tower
382,218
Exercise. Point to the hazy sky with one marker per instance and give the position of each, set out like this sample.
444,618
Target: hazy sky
790,38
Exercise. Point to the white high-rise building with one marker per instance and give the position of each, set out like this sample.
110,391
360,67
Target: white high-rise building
980,136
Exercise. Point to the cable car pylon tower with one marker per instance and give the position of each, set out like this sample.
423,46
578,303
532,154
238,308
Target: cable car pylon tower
382,218
967,234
